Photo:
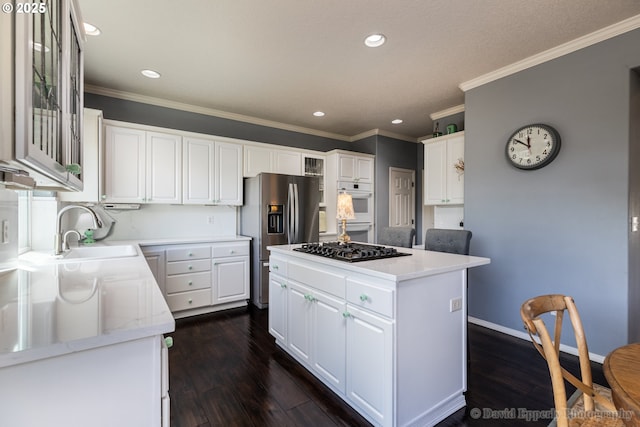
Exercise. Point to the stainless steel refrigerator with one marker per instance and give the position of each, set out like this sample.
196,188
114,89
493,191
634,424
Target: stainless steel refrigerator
277,210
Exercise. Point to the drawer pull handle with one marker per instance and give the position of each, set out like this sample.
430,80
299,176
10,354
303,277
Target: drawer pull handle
363,298
190,283
190,254
310,298
275,266
190,301
283,285
190,267
232,251
347,315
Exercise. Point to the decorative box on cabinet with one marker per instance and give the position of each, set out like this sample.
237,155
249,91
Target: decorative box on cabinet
443,182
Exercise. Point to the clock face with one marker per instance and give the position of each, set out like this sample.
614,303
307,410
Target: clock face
533,146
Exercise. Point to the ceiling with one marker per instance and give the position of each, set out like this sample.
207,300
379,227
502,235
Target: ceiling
281,60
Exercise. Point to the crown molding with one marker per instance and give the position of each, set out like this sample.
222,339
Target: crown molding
611,31
448,112
129,96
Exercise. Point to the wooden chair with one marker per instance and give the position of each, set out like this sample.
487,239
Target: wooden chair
591,394
397,236
450,241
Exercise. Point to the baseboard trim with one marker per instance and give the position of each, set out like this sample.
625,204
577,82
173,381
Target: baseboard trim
523,335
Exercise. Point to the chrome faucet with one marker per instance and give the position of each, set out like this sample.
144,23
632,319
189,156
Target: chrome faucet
59,246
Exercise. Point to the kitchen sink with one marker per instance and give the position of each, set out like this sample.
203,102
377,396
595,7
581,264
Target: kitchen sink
82,253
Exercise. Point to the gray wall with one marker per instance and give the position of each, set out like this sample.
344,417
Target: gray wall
563,228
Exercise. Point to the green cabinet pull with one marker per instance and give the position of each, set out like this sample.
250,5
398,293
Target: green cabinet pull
283,285
190,301
190,267
363,298
190,283
346,315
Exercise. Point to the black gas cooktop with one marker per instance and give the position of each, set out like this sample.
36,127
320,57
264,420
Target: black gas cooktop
350,252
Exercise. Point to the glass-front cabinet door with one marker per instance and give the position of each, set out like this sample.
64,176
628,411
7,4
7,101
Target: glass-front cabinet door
49,85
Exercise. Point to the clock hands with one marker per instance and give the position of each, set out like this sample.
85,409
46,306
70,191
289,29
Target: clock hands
527,144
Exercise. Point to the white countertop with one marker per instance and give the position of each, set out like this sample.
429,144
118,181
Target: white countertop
421,263
48,308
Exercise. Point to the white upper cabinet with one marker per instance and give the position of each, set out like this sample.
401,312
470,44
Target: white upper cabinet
142,167
443,178
48,92
265,158
355,168
212,172
228,173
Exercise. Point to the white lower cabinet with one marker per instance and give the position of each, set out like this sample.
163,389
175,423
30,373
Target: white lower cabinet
391,349
370,363
124,384
201,278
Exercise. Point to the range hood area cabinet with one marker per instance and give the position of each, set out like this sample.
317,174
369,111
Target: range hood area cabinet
42,54
443,178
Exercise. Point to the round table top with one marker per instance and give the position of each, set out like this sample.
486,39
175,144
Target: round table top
622,370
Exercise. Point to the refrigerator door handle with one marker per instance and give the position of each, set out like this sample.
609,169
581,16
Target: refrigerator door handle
296,210
290,218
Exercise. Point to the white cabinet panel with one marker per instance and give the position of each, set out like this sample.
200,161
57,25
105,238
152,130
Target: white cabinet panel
163,168
444,183
228,174
230,279
198,167
278,307
287,162
256,160
124,165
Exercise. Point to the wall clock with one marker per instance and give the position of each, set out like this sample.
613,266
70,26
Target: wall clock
533,146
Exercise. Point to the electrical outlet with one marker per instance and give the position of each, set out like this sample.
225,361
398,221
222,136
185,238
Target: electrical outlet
455,304
210,219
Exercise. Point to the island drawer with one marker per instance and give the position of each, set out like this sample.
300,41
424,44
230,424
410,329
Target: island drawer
188,282
323,280
187,300
194,266
278,266
230,249
373,298
187,253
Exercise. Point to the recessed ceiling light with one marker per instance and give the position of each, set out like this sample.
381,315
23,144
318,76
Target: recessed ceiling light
375,40
91,30
151,74
318,114
396,121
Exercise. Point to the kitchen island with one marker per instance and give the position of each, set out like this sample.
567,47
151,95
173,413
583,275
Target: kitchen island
388,336
81,343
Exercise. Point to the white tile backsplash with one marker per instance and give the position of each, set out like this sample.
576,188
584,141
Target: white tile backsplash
448,217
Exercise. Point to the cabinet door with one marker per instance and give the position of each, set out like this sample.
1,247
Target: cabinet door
329,339
163,168
155,260
198,171
370,364
278,307
124,165
299,321
92,168
230,279
228,173
287,162
346,168
435,157
455,180
257,160
364,169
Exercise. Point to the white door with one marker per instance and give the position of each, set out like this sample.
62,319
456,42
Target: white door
278,307
329,333
370,364
401,197
230,279
198,167
228,173
164,168
124,165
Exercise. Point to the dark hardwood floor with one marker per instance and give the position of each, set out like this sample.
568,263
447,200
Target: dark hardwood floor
225,370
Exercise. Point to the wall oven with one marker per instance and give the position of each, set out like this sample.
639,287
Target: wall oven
362,195
360,232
